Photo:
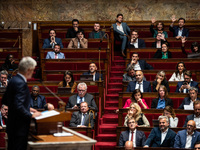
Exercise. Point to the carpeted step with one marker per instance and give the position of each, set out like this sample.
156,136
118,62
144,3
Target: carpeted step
114,85
112,103
107,128
116,73
116,80
110,110
106,137
118,58
105,145
117,68
118,63
112,97
114,91
110,119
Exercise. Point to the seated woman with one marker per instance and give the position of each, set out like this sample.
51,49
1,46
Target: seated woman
195,48
9,63
160,80
159,28
162,100
68,81
169,112
136,112
164,53
160,39
136,97
178,74
79,41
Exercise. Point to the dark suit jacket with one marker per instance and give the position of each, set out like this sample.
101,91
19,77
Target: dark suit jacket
164,82
140,138
186,101
158,54
175,29
88,98
101,34
132,84
180,83
76,119
71,33
143,65
41,101
47,42
189,117
96,75
168,102
180,139
17,98
141,44
154,138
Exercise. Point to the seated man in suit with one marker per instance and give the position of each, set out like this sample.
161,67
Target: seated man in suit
52,40
130,75
121,32
161,136
79,41
197,145
3,78
178,31
93,71
183,86
3,115
81,118
144,86
132,134
195,116
71,33
55,54
82,96
135,42
188,137
193,92
139,64
96,33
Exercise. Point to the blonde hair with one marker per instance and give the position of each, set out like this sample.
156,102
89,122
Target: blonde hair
162,73
138,113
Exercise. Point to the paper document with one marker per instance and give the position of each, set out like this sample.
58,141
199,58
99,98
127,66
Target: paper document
63,134
46,114
188,107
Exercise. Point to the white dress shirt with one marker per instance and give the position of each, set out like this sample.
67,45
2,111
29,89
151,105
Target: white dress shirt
163,135
137,66
141,86
197,121
180,32
120,28
134,137
135,44
78,99
188,140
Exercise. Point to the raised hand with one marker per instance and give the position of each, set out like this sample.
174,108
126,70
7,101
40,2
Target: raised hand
173,18
183,39
153,20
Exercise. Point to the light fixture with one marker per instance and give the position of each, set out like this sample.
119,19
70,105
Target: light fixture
29,24
2,24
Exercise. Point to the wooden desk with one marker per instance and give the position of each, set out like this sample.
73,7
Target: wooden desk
77,141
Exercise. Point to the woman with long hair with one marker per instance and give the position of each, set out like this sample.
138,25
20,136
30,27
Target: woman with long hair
178,74
169,112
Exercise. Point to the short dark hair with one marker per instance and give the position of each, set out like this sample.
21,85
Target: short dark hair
75,20
93,63
135,92
57,45
135,53
119,15
52,30
134,31
166,43
161,23
194,44
188,73
181,19
198,142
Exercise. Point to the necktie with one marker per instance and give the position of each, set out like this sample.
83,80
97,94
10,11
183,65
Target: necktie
56,56
139,86
53,44
132,133
83,119
81,100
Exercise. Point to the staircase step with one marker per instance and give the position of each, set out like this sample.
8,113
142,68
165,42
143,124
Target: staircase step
107,128
110,119
114,85
117,68
106,137
112,97
116,80
112,103
105,145
118,57
113,91
110,110
116,73
118,63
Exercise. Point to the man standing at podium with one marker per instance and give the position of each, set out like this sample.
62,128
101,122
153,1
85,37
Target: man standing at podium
17,98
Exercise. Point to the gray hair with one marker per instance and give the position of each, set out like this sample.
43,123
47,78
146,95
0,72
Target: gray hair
129,68
3,105
163,117
4,72
193,88
82,84
36,87
27,63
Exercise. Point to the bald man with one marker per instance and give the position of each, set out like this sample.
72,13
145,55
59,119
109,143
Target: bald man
144,86
188,137
129,145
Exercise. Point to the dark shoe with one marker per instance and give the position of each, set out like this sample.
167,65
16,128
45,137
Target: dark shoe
123,54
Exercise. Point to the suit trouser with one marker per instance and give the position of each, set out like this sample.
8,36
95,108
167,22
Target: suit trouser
17,142
124,42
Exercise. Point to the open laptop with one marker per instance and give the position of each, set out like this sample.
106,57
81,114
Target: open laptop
86,77
64,90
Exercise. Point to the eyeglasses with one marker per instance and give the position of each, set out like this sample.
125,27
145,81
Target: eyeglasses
131,122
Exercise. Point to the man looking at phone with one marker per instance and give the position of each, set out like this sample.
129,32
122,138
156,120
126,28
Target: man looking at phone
183,86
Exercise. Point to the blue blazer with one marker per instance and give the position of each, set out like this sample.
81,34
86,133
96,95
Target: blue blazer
41,101
140,138
17,98
132,84
51,55
141,44
154,138
180,83
175,29
180,139
189,117
46,43
186,101
96,75
125,28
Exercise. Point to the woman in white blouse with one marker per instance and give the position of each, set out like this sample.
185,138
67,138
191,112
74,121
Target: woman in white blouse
178,74
169,112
